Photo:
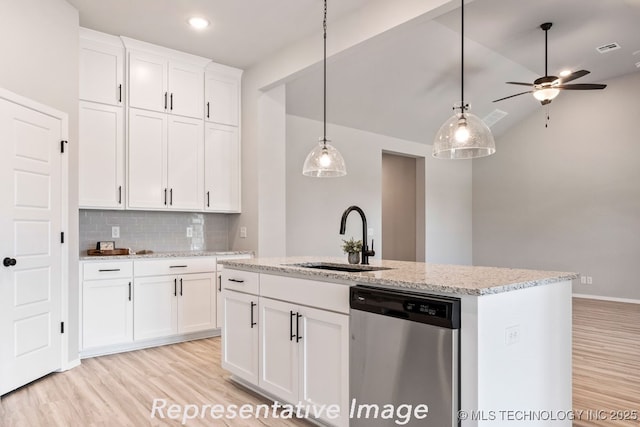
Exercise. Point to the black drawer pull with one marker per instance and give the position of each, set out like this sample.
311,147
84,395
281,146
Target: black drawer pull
108,269
236,280
177,266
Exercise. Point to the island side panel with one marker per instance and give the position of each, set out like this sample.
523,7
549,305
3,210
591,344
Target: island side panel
522,374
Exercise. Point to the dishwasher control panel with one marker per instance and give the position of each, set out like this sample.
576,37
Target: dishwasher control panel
424,308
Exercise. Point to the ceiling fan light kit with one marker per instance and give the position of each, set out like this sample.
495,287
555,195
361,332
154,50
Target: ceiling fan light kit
324,160
463,135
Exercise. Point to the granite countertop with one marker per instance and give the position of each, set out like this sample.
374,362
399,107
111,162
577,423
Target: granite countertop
175,254
455,279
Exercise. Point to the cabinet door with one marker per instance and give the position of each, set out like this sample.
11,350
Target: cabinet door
222,99
279,349
240,335
222,168
186,89
107,312
155,311
324,361
147,187
101,72
148,81
185,163
101,152
196,302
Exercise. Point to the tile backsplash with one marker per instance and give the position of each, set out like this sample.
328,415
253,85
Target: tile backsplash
157,231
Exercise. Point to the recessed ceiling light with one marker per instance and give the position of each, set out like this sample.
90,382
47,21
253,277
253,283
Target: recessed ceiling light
198,23
565,73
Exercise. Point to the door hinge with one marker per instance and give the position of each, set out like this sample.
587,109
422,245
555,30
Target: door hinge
62,145
62,327
62,237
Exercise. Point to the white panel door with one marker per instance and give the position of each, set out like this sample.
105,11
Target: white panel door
147,166
148,81
324,361
222,168
186,89
107,312
155,307
196,302
30,227
101,151
240,335
185,163
101,72
222,99
279,349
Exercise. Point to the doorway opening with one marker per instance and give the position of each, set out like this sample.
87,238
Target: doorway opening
403,207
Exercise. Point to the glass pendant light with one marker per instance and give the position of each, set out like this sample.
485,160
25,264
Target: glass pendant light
324,161
464,135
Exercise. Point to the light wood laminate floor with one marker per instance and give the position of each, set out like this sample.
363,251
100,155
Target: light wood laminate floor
118,390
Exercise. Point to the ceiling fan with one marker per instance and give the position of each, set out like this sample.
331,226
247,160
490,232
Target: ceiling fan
546,88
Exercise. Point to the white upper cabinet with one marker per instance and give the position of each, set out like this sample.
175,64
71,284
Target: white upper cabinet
222,168
185,175
101,68
222,94
101,156
164,80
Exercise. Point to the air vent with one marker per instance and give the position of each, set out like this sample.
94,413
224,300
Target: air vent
608,47
494,117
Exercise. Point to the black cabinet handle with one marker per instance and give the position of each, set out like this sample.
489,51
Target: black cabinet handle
171,107
120,194
171,197
165,100
175,287
120,93
129,291
253,304
207,109
236,280
178,266
181,286
220,283
298,336
107,269
9,262
291,334
208,199
165,197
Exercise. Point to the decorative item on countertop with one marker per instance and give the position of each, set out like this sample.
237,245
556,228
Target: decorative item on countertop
352,248
107,248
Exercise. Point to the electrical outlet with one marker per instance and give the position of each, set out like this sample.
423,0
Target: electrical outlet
589,280
583,280
115,232
370,231
189,231
512,335
243,232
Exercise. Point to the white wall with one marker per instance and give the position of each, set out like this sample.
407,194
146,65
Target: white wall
567,197
39,47
315,206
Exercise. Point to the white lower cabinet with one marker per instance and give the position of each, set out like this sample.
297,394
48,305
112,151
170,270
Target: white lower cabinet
289,338
107,312
169,305
240,335
304,355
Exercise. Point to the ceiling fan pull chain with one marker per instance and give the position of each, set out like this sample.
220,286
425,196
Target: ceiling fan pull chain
546,124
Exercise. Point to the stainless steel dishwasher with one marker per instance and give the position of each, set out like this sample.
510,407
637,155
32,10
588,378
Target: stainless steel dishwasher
404,350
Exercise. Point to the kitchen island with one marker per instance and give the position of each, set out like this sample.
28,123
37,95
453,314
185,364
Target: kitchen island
515,334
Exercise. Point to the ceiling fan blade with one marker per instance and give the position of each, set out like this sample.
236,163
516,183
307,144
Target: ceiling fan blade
511,96
582,86
574,75
520,83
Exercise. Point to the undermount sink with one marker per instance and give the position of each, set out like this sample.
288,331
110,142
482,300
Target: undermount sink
347,268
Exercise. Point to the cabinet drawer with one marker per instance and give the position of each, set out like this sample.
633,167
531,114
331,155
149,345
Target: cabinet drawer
323,295
106,270
160,267
242,281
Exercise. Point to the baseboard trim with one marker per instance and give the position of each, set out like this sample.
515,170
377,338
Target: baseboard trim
613,299
70,365
139,345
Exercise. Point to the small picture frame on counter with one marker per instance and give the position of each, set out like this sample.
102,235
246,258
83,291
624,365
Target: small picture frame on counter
105,246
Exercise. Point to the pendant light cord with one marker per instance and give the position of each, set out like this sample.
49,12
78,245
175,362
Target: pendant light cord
324,89
462,106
